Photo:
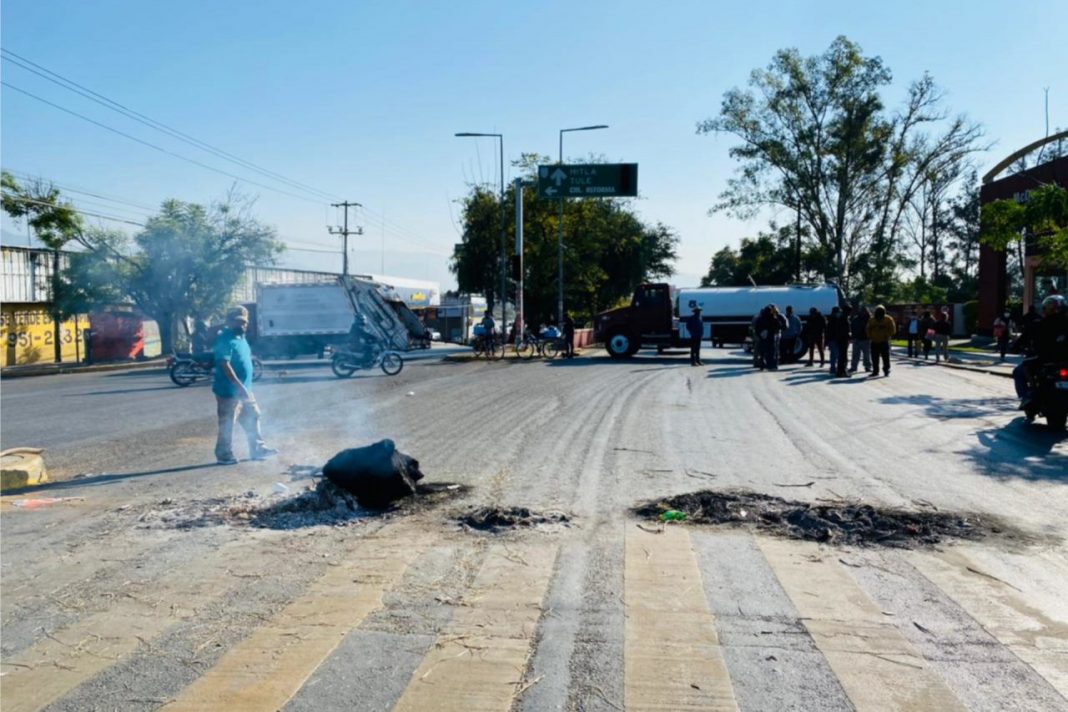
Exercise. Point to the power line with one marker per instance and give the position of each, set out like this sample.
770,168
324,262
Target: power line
87,93
71,189
22,199
154,146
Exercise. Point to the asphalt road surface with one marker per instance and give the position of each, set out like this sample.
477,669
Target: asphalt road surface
150,585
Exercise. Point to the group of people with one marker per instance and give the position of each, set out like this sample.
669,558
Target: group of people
1043,340
777,335
924,331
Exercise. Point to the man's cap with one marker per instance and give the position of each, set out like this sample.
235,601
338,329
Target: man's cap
695,308
238,313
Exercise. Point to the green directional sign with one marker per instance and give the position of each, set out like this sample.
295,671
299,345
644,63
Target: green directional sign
594,180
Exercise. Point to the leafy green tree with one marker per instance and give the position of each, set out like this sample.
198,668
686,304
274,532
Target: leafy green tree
55,223
1043,216
608,249
770,258
185,262
816,138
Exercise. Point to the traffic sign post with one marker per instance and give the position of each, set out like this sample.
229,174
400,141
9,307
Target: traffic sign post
593,180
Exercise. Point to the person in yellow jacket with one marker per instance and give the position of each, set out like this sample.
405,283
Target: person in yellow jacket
880,329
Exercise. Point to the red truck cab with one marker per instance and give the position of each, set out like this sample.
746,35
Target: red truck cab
648,321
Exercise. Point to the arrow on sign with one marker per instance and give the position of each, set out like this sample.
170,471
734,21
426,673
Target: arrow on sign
559,176
550,191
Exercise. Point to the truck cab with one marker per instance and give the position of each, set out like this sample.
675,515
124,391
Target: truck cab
648,321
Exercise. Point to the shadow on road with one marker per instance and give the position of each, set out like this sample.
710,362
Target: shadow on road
1022,450
944,408
121,391
108,478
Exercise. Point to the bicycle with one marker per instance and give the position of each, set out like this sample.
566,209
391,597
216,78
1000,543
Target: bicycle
488,346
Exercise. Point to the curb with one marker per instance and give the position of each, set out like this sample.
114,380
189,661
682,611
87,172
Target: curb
30,372
957,366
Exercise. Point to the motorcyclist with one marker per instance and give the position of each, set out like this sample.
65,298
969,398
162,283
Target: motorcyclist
1050,345
362,339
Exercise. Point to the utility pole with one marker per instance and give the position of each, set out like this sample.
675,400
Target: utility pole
345,232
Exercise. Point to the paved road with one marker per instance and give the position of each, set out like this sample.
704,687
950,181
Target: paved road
138,594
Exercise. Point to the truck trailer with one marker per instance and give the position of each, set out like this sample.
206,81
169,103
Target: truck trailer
653,316
296,319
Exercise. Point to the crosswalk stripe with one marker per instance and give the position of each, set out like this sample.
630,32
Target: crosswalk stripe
57,664
1037,637
268,667
876,666
672,658
478,663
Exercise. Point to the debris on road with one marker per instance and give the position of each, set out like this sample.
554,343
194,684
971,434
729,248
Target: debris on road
673,515
42,502
377,475
835,522
495,519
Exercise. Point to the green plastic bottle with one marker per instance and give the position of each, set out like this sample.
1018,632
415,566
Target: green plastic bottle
673,515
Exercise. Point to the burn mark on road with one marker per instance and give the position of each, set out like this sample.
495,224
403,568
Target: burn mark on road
830,521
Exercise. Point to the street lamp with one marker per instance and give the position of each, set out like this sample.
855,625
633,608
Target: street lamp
560,236
500,140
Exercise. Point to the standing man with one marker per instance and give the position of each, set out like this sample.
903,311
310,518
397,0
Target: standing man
912,333
880,329
695,328
790,335
838,337
814,331
942,331
861,346
569,335
232,387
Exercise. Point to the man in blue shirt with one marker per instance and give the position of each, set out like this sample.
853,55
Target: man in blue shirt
232,387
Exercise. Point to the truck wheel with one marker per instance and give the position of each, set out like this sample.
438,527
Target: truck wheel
620,345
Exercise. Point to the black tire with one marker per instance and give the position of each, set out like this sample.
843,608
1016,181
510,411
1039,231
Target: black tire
552,349
496,351
524,349
620,344
392,363
183,374
340,366
257,369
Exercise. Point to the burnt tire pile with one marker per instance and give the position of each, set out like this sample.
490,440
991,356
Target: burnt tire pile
834,522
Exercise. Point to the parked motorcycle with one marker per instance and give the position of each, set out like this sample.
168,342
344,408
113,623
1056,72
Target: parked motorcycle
186,369
345,362
1049,395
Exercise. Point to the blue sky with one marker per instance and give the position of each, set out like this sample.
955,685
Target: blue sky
361,99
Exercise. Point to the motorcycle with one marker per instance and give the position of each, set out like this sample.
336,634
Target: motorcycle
345,362
1049,395
186,369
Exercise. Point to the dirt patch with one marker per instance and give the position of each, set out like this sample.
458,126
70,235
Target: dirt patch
324,504
497,519
829,521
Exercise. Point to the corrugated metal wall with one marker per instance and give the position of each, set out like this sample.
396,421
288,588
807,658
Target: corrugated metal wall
25,273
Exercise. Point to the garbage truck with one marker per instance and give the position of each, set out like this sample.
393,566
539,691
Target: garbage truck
652,319
297,319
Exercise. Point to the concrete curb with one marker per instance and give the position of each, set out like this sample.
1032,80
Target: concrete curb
957,366
50,370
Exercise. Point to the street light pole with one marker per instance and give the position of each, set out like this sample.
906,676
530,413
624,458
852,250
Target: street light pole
560,235
504,260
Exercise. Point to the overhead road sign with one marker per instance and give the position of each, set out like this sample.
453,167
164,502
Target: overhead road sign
593,180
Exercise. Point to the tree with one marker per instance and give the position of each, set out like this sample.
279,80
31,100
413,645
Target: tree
1043,216
608,250
768,259
186,262
817,139
54,223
